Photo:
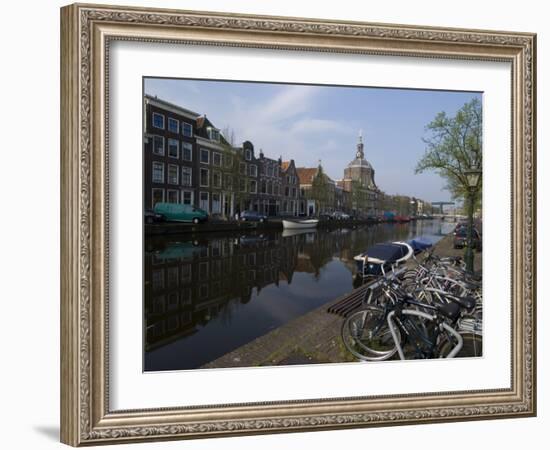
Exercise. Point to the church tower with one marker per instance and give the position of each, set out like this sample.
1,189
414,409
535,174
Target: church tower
360,169
360,147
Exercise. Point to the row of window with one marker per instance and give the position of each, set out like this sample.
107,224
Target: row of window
218,180
270,170
173,174
158,177
160,195
174,125
217,158
174,147
204,157
291,179
291,193
204,154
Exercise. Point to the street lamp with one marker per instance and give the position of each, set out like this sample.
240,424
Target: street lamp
472,177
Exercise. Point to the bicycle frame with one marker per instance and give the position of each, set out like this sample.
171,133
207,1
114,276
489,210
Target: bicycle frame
414,312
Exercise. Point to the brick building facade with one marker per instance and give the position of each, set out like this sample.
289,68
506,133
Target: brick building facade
170,162
188,160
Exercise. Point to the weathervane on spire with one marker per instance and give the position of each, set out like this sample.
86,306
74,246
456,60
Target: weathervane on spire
360,153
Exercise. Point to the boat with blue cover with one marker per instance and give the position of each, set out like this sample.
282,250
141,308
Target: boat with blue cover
419,246
381,258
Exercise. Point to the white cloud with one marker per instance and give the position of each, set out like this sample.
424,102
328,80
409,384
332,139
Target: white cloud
289,102
312,125
286,126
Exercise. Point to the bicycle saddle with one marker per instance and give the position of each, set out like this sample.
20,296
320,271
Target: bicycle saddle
466,302
449,310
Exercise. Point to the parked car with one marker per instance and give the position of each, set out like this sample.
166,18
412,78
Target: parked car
461,224
339,215
151,216
175,212
461,238
253,216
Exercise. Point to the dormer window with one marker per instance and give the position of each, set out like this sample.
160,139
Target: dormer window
248,155
213,134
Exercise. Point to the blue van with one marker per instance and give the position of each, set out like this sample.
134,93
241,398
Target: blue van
175,212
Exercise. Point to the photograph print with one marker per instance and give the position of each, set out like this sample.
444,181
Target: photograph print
293,224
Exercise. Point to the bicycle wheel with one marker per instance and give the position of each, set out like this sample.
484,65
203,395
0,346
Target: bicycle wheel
471,347
410,276
366,335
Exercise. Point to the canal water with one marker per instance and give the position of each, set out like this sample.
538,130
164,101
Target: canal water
210,293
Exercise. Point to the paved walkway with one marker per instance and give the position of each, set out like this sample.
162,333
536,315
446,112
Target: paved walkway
445,248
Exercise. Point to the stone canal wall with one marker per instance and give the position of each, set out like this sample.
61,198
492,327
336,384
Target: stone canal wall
168,228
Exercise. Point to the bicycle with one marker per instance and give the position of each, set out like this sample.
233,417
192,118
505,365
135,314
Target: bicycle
382,329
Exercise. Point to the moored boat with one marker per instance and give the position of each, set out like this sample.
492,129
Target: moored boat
299,223
381,258
419,246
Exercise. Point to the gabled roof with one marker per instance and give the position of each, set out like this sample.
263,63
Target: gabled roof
203,123
306,174
285,165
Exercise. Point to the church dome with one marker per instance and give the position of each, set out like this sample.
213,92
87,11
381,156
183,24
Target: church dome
360,169
360,160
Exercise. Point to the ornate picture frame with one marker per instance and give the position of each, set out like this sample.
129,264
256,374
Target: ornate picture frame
87,32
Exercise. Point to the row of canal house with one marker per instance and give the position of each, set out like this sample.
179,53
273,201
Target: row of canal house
188,160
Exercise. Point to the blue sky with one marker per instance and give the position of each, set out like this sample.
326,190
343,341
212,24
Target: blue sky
312,123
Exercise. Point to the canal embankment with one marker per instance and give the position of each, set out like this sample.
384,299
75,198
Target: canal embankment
171,228
313,337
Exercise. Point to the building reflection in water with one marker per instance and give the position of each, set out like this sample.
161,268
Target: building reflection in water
211,277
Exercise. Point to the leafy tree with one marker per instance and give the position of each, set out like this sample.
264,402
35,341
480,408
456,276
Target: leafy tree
359,196
320,189
239,180
454,146
228,134
233,178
